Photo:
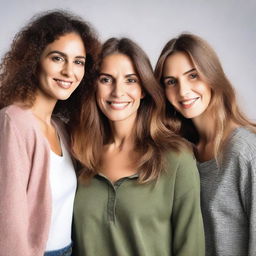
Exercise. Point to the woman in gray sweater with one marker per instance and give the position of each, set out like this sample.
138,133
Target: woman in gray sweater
203,108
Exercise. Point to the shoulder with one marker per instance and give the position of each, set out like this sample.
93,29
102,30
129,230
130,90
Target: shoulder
182,165
241,144
19,123
182,159
181,170
16,116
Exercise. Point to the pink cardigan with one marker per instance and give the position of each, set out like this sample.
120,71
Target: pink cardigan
25,197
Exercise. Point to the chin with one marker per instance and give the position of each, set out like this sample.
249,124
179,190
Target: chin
117,118
189,115
64,97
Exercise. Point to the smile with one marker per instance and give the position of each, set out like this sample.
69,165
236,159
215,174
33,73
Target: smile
118,105
188,103
63,84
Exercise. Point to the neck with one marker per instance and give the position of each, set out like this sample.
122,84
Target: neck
123,133
205,126
43,108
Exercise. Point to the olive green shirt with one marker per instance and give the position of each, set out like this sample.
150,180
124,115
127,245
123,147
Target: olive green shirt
160,218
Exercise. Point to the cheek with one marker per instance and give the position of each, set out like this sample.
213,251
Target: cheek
209,96
80,73
136,93
205,91
100,98
49,68
97,96
43,76
170,95
101,93
209,93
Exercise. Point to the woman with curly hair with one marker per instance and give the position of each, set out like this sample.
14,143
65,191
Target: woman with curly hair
139,191
43,75
203,108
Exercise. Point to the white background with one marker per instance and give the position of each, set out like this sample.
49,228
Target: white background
228,25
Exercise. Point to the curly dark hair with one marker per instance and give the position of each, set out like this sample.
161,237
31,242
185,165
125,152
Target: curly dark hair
19,67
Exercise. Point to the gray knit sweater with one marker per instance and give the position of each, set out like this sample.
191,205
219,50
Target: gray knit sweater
228,195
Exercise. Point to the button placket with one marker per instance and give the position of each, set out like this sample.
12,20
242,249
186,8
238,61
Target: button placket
111,203
112,193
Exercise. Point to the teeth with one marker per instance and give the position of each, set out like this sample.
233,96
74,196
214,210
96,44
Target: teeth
63,83
119,104
188,102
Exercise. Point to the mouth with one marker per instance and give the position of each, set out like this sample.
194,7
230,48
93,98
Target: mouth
62,83
118,105
188,103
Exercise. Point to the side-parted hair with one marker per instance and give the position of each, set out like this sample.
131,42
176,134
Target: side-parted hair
20,65
152,138
223,106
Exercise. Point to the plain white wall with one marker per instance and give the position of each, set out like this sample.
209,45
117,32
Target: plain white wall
228,25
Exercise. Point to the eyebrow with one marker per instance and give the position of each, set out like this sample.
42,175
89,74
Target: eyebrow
64,55
191,70
167,77
128,75
104,74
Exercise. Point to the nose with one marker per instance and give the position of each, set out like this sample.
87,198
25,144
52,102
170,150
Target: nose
67,69
118,89
184,88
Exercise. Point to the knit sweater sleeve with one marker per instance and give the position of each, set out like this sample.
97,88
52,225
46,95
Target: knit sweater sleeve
248,191
240,184
188,232
14,175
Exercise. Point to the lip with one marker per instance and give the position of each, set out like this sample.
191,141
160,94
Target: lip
118,105
188,103
63,83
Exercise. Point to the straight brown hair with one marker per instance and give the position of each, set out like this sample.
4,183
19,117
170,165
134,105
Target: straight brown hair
152,138
223,106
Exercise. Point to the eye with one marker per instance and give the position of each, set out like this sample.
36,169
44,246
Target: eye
132,80
193,75
79,62
170,82
56,58
104,79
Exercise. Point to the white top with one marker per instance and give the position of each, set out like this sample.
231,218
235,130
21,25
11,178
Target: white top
63,187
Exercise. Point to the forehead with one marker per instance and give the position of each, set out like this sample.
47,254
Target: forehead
117,62
70,43
178,62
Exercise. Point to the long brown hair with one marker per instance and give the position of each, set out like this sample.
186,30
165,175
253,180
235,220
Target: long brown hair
223,106
152,139
19,68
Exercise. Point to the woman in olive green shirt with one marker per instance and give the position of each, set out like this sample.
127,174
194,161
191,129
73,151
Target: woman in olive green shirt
139,191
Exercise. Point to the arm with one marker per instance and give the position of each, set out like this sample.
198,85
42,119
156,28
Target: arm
14,174
188,233
249,188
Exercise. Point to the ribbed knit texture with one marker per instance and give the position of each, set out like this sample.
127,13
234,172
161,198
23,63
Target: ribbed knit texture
228,196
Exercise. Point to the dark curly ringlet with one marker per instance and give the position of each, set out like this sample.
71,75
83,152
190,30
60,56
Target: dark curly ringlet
20,65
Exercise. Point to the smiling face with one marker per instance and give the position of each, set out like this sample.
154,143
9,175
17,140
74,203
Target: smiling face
62,66
118,88
183,87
